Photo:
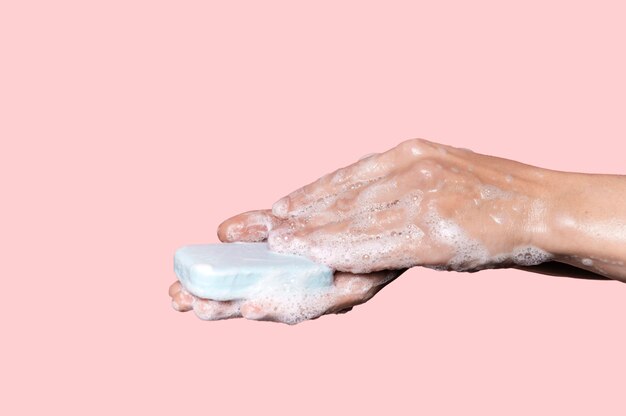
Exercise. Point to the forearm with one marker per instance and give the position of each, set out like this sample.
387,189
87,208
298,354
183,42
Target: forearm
586,222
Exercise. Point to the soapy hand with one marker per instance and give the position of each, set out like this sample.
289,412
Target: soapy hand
427,204
348,289
419,203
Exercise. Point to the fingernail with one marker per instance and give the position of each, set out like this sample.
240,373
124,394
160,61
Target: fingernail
281,207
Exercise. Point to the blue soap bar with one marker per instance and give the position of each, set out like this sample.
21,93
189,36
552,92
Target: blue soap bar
228,271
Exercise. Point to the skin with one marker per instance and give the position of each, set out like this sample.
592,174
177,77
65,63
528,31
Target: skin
428,204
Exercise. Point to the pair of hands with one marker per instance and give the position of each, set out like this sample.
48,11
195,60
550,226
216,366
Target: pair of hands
419,203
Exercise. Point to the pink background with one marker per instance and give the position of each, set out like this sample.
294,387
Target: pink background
130,128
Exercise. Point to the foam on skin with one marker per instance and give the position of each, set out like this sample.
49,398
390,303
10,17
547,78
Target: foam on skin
356,249
418,204
272,304
493,192
394,220
401,240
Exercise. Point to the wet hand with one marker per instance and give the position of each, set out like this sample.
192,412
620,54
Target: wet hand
419,203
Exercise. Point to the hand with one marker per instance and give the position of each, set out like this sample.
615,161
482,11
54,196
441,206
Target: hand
348,289
419,203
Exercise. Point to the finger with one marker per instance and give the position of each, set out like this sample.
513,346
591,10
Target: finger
251,226
367,207
345,310
174,288
369,168
254,311
319,193
364,282
384,242
182,301
289,309
270,310
349,290
355,289
258,310
213,310
371,201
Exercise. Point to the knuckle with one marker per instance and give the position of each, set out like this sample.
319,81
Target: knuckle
415,146
340,175
309,190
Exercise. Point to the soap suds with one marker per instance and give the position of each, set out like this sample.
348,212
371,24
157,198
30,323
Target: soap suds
493,192
280,207
529,256
360,248
468,253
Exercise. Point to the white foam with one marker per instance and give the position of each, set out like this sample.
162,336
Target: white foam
315,206
493,192
361,249
529,255
210,311
468,253
280,207
295,307
257,226
375,192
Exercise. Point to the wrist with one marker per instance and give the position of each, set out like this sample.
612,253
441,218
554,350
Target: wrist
585,221
553,203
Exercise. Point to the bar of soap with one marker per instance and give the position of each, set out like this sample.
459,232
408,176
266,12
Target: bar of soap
228,271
